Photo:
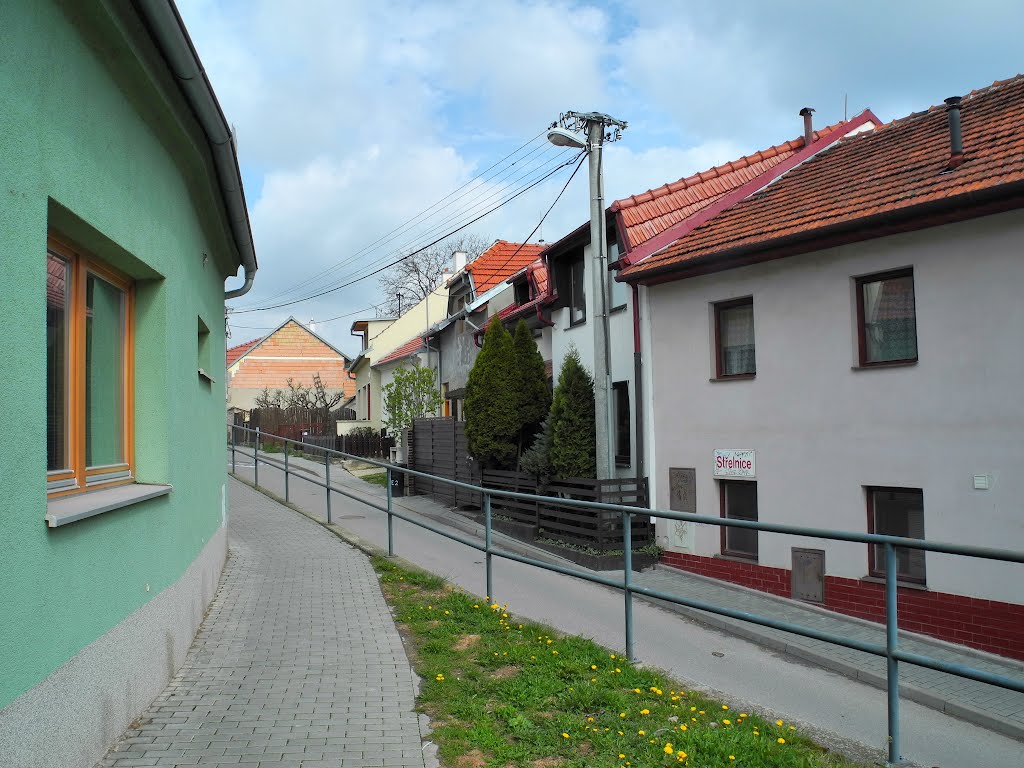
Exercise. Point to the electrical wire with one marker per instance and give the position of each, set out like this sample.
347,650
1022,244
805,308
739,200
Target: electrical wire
453,220
482,176
419,250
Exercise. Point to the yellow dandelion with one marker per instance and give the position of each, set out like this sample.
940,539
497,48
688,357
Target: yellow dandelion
668,749
702,712
636,690
641,733
693,709
590,719
621,756
645,711
612,656
792,727
781,740
682,755
618,671
593,666
622,714
446,613
565,735
593,679
622,733
476,605
732,757
727,722
554,653
724,707
682,727
778,722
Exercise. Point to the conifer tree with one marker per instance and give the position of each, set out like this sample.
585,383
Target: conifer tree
573,431
533,397
492,426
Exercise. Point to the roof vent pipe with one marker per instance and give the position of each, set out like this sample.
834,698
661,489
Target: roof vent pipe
805,113
956,142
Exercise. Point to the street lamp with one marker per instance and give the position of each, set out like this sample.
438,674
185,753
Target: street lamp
565,133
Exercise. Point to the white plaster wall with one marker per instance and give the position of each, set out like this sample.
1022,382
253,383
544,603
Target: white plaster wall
620,341
822,430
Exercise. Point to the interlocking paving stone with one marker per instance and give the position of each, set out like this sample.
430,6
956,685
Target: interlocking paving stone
298,663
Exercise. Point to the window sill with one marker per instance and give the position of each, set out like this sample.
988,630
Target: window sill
901,584
623,463
888,364
737,377
619,308
71,509
206,377
736,558
577,323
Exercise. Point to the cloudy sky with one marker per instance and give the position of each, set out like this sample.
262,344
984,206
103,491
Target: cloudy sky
367,129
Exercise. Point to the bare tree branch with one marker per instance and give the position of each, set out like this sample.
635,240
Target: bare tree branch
418,275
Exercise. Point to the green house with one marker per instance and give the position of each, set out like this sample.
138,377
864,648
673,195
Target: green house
121,216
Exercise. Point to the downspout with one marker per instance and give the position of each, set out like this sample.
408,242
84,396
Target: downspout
168,32
638,385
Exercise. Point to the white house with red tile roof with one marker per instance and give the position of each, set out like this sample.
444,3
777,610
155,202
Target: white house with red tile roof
840,349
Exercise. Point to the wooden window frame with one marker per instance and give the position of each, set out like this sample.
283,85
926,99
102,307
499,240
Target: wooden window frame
862,343
726,552
720,307
80,266
876,570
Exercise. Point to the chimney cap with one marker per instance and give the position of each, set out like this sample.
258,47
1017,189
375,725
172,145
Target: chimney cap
953,102
806,111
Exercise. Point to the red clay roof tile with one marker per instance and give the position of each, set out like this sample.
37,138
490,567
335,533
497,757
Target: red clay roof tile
410,347
236,352
499,262
650,213
896,166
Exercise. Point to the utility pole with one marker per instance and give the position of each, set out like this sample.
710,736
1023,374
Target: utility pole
561,134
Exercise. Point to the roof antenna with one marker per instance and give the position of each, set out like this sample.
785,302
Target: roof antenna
845,102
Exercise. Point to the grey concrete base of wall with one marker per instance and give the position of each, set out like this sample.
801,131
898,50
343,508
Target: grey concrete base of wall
73,716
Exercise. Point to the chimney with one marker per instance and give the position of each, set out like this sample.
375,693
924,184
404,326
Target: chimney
805,113
460,259
956,142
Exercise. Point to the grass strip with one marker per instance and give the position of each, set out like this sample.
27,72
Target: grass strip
377,478
501,692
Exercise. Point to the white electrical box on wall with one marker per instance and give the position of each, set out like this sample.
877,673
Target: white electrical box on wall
982,482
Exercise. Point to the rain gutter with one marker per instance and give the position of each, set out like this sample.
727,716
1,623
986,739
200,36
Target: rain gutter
166,28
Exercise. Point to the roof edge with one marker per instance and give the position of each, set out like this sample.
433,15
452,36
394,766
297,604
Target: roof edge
684,227
946,210
167,30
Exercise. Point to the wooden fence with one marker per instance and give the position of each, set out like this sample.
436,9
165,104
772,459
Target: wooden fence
438,446
594,528
367,446
588,528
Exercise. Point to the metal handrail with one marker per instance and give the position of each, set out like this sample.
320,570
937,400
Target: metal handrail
890,650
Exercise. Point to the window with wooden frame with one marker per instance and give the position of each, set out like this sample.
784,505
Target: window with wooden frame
734,339
739,502
897,512
89,373
886,318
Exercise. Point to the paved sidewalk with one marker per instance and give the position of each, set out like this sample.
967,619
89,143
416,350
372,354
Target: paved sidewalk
995,708
297,665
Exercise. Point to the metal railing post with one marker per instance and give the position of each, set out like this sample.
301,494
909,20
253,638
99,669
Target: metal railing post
327,482
256,460
287,450
487,546
627,578
892,671
233,449
391,519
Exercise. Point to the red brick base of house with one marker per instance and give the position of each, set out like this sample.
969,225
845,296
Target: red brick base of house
984,624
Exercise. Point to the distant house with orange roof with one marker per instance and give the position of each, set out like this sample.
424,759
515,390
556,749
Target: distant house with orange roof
853,331
291,351
476,292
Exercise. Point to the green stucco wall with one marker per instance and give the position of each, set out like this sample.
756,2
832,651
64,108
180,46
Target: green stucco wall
94,144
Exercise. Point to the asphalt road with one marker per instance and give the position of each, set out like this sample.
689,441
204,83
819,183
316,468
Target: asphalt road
838,712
